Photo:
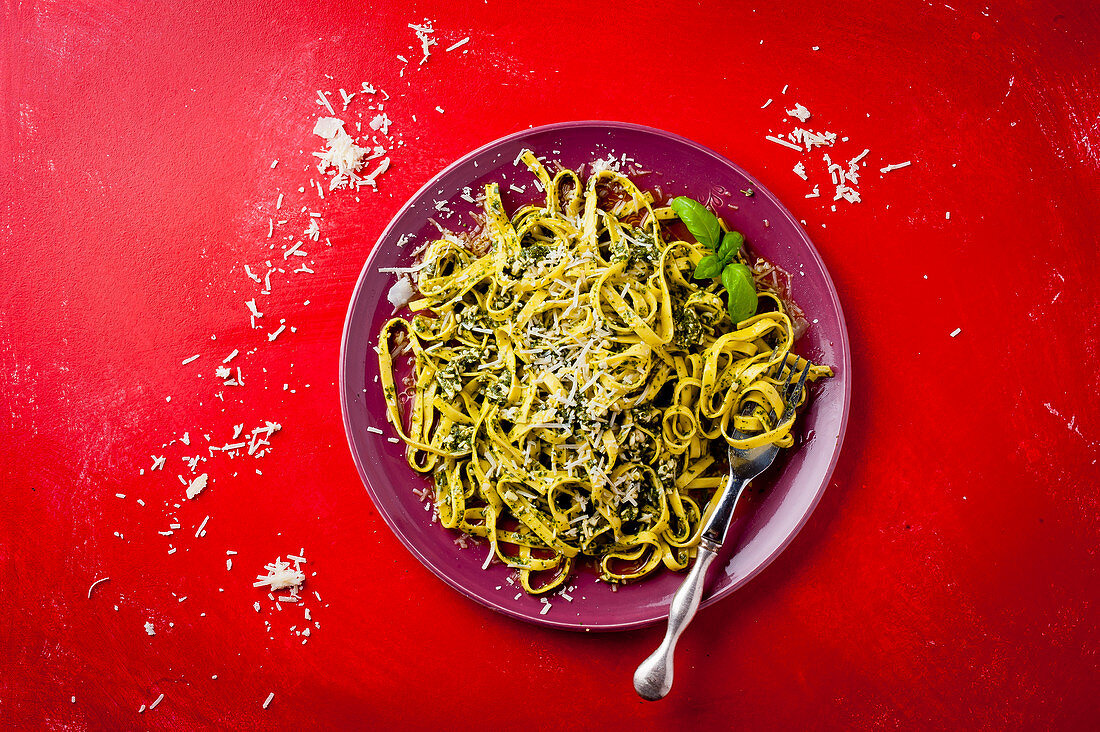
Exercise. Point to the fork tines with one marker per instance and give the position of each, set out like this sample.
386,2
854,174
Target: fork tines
792,393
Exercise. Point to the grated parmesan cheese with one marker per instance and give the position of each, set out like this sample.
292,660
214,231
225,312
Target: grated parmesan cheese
401,293
281,576
895,166
93,586
197,486
783,142
424,33
799,112
342,153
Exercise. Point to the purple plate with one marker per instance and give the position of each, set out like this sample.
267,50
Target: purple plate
777,508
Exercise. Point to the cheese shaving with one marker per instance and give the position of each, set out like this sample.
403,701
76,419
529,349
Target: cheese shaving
895,166
197,486
424,34
280,576
342,154
799,112
93,585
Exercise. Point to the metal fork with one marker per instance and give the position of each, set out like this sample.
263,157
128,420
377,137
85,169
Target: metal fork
653,679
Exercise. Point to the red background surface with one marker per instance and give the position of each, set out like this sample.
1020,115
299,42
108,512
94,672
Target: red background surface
947,579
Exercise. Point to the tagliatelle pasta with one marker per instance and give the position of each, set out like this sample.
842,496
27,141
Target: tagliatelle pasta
573,390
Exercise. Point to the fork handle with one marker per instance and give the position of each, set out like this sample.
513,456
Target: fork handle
653,679
718,525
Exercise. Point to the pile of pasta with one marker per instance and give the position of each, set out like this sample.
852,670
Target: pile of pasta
572,389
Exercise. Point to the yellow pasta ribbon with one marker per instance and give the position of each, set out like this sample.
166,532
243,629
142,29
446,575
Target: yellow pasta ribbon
572,389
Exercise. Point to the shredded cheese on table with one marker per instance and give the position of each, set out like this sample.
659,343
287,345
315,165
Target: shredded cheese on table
281,576
895,166
197,486
93,585
573,389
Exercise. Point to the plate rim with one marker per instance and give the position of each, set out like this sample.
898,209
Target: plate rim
344,364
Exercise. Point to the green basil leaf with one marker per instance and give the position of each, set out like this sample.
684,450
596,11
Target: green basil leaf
731,244
729,277
709,267
740,291
702,224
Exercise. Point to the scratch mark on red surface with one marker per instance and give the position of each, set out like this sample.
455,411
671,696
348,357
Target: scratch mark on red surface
1063,479
1082,131
1055,103
1071,424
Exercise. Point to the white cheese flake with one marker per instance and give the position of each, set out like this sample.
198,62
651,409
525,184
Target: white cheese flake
784,143
281,576
342,154
895,166
401,293
424,34
197,486
799,112
93,585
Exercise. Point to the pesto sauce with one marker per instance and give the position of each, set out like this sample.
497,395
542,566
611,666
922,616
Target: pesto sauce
449,377
688,330
459,439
